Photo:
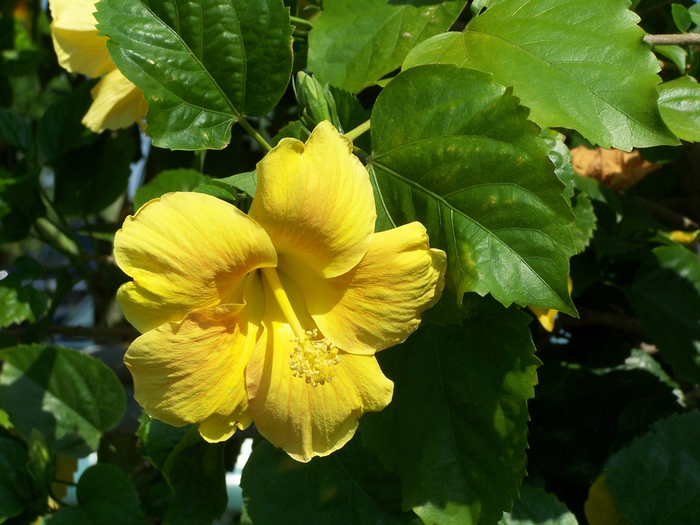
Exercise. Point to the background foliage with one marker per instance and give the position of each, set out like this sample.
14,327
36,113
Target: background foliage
475,110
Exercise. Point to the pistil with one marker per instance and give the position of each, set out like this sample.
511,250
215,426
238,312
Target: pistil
314,358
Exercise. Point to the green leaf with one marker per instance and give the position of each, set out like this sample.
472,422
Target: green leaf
92,177
354,43
679,102
694,12
157,439
60,129
666,298
681,17
167,181
201,64
106,496
196,473
246,182
295,130
655,480
561,158
537,507
676,54
20,303
584,225
349,486
457,153
20,205
581,64
15,485
456,431
15,130
69,397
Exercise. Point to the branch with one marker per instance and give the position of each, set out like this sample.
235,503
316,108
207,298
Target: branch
685,39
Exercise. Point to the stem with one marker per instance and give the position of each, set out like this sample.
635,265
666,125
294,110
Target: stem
686,39
359,130
200,155
260,140
301,21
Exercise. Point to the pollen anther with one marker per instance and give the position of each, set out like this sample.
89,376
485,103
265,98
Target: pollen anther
314,359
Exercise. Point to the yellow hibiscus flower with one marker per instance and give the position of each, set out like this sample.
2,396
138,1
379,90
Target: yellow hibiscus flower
117,102
273,317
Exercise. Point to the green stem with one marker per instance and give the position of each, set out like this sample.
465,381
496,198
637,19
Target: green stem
246,126
301,21
359,130
200,156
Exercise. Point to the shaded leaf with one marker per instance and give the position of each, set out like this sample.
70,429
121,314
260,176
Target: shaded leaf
69,397
20,303
584,225
537,507
578,64
167,181
600,507
246,182
679,102
349,486
15,130
157,439
457,153
15,485
666,298
655,479
681,17
106,496
455,431
20,205
217,60
354,43
196,473
561,158
60,129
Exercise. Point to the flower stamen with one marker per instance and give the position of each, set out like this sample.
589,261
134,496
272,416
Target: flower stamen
314,357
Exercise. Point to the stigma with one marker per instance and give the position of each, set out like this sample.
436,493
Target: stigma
314,359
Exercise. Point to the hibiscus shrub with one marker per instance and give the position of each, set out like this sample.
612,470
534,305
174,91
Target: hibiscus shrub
349,232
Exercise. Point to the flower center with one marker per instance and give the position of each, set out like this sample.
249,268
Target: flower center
314,358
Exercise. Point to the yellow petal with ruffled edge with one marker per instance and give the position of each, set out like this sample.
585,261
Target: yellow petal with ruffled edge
303,420
316,202
75,38
194,371
378,303
117,104
185,252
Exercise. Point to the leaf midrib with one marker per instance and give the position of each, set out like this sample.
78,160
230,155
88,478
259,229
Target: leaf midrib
472,220
561,73
236,113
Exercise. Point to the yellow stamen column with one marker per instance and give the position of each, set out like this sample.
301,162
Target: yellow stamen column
314,358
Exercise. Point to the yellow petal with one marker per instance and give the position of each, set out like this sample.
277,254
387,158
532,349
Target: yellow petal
600,507
316,202
194,371
185,252
303,420
117,104
75,38
378,303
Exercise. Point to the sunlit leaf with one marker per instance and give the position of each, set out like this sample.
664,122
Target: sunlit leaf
201,64
69,397
679,102
537,507
578,64
354,43
457,153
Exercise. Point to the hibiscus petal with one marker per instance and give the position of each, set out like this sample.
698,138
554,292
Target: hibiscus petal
316,202
117,104
185,252
193,371
75,38
378,303
303,420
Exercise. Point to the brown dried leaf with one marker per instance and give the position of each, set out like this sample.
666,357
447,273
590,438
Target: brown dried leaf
615,168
